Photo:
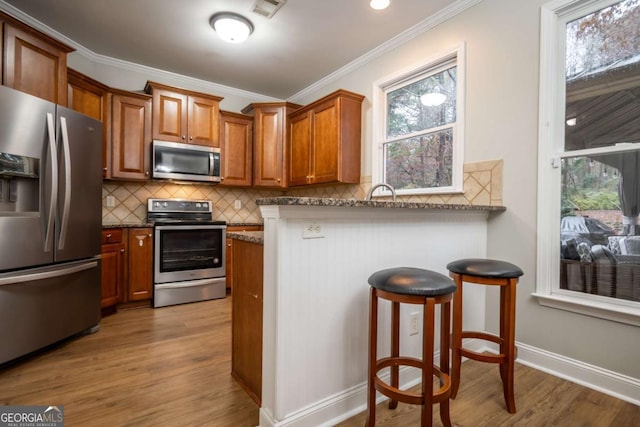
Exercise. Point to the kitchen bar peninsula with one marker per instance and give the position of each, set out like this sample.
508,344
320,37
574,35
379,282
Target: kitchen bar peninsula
318,255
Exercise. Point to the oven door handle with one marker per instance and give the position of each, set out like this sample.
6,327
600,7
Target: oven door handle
190,283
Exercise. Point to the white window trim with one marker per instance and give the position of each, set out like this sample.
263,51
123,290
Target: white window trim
554,15
378,120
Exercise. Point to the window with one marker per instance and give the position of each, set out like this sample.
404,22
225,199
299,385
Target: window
418,127
589,159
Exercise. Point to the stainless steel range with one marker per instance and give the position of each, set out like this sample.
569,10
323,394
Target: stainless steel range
189,251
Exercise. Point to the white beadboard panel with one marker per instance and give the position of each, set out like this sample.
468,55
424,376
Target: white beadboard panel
316,294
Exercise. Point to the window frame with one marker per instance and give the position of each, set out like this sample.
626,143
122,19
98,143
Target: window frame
452,56
554,17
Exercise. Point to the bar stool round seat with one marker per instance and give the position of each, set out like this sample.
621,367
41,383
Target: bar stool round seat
493,273
428,288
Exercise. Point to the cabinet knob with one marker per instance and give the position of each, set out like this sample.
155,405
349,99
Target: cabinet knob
278,180
254,295
190,137
121,251
104,169
228,245
150,235
146,173
184,137
108,236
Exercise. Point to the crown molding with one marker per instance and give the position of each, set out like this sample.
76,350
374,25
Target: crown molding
388,46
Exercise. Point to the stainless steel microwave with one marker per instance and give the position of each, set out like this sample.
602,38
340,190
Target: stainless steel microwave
185,162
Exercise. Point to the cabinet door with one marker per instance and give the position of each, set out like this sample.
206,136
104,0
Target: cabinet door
91,98
113,266
299,149
325,144
203,121
247,307
169,116
268,154
33,65
131,137
235,149
140,264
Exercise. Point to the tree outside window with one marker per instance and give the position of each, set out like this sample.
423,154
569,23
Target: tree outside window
421,136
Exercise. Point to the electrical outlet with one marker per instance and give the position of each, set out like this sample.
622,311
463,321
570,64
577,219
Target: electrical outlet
237,204
111,201
312,230
413,323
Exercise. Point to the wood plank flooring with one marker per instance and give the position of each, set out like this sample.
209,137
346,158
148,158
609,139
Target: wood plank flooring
541,400
164,367
171,367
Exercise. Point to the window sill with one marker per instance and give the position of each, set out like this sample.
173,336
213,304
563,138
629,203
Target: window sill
603,310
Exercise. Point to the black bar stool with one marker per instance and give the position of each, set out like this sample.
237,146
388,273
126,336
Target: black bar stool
493,273
411,286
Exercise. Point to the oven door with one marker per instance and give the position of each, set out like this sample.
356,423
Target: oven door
189,252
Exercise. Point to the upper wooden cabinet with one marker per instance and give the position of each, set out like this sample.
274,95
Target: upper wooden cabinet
270,128
236,136
91,98
324,141
130,136
184,116
33,62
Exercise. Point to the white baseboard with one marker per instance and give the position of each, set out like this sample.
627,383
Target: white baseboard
348,403
605,381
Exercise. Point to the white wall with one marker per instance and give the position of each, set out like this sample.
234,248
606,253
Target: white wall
502,47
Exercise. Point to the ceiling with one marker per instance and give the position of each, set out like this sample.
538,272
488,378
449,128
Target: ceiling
305,41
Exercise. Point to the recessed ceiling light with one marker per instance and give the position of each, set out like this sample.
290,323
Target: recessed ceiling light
379,4
231,27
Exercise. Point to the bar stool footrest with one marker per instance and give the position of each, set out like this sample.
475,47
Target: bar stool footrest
406,396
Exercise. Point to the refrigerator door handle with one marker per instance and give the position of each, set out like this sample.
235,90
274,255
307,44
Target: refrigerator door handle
54,183
67,183
47,273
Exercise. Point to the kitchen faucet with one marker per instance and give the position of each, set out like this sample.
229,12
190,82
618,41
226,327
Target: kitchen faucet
382,184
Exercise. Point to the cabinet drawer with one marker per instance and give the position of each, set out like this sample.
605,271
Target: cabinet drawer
112,235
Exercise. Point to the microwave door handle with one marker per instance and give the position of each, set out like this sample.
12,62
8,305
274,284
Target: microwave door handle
54,183
67,183
211,164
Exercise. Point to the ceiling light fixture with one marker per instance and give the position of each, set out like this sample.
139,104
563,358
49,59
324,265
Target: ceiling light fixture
379,4
231,27
433,99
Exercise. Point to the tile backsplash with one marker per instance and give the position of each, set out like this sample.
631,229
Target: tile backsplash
482,186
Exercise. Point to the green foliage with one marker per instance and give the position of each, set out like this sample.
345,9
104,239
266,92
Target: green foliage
595,200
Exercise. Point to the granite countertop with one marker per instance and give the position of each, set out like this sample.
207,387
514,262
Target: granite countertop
247,236
118,225
352,203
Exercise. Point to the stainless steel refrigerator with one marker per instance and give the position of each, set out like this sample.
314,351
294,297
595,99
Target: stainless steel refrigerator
50,221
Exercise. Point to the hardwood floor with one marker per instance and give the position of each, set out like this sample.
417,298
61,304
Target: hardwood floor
164,367
171,367
541,400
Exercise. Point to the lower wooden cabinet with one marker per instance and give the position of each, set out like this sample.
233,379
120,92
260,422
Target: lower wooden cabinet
246,347
127,267
113,269
140,264
229,251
